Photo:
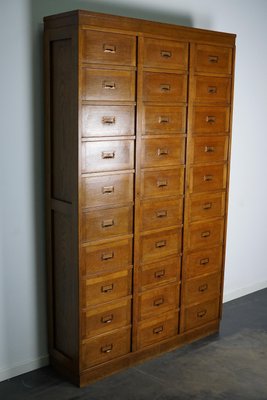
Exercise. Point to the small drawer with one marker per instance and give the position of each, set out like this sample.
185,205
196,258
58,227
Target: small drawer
106,190
102,319
108,85
165,54
112,155
207,149
104,348
203,262
201,314
215,59
202,289
102,258
205,234
108,48
155,246
164,120
206,178
162,183
104,224
162,152
159,300
107,120
203,206
209,119
157,329
211,89
161,213
161,272
106,288
166,87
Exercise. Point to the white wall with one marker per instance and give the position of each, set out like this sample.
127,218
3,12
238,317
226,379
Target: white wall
22,275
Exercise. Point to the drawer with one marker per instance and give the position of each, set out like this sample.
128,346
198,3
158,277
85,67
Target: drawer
101,258
106,190
211,89
205,234
207,149
162,152
106,288
201,314
102,319
214,59
164,120
104,348
104,224
108,48
210,119
203,262
166,87
162,183
207,205
159,245
157,329
206,178
161,213
107,120
109,155
162,272
202,289
165,54
108,85
159,300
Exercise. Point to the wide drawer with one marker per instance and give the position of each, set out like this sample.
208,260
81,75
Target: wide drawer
108,85
157,329
210,119
162,152
215,59
162,183
101,258
106,288
165,54
161,272
166,87
207,149
202,289
106,155
206,205
164,120
203,262
105,347
161,213
108,48
211,89
107,120
206,178
201,314
104,224
205,234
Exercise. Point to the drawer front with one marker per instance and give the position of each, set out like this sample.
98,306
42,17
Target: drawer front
205,234
162,272
159,245
203,206
102,319
211,89
206,178
156,301
209,58
161,213
108,48
203,262
106,288
108,85
157,329
209,148
162,183
165,54
162,152
105,347
102,258
104,224
164,120
210,119
106,190
107,120
110,155
202,289
164,87
201,314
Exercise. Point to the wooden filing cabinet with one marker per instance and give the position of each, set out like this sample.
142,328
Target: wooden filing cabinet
138,135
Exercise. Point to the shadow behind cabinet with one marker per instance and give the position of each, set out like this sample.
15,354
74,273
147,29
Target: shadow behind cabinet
138,123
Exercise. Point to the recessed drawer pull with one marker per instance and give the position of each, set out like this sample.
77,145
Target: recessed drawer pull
207,178
158,330
213,59
203,288
205,234
210,119
204,261
202,313
207,206
163,152
107,189
161,243
109,85
209,149
163,119
166,54
158,302
108,154
107,288
107,256
107,223
162,213
107,319
159,274
162,183
165,87
107,349
212,89
108,120
109,48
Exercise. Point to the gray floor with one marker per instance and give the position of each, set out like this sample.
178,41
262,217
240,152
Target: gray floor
231,365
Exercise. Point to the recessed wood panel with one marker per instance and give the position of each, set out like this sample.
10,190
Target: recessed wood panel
161,213
205,234
207,178
162,152
160,273
210,119
201,314
165,54
204,261
212,59
206,205
201,289
165,87
211,89
206,149
162,183
164,120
